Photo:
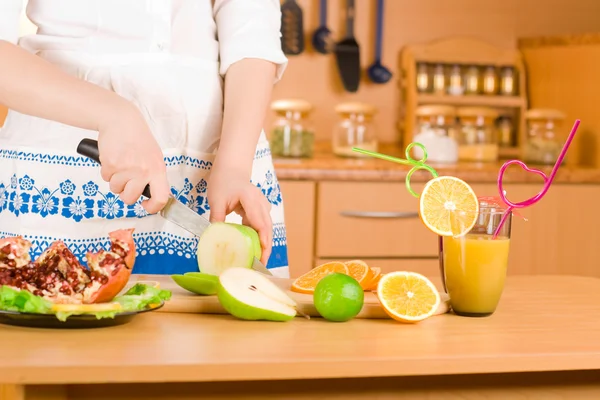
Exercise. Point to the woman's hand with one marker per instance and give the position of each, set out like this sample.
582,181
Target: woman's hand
131,158
229,190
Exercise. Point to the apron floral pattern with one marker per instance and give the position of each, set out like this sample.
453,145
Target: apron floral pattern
76,200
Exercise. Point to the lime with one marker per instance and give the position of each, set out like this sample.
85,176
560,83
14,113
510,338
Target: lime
338,297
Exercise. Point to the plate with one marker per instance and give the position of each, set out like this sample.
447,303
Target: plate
82,321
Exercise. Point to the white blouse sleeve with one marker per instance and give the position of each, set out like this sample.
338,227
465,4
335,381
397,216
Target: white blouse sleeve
249,29
10,18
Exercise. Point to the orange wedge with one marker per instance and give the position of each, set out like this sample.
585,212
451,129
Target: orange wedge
375,280
307,282
407,296
448,206
360,271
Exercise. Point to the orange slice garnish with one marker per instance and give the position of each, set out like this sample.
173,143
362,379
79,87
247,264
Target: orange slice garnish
307,282
448,206
407,296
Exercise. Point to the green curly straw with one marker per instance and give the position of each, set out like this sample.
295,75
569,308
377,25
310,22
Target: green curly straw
416,164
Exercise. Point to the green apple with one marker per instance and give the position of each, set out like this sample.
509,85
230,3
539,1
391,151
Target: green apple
249,295
197,282
226,245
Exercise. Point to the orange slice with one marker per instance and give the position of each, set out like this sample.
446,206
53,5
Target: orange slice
448,206
407,296
375,280
307,282
360,271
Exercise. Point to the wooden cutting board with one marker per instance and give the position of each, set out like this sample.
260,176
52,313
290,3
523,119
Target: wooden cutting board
183,301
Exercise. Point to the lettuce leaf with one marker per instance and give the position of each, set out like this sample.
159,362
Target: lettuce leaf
23,301
139,297
142,296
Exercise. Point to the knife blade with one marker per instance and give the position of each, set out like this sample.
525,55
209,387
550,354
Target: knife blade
174,211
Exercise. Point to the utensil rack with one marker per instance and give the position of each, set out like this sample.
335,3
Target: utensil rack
463,51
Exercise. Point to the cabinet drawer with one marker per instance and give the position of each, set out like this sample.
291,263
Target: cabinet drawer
371,220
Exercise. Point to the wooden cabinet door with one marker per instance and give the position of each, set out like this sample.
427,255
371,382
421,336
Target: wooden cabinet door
299,208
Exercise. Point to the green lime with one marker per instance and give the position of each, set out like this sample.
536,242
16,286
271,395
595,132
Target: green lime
338,297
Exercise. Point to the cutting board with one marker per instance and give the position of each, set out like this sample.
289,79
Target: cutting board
183,301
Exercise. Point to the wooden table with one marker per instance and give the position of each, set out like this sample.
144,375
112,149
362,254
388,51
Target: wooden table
543,342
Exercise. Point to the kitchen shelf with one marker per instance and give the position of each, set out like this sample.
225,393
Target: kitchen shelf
471,100
462,51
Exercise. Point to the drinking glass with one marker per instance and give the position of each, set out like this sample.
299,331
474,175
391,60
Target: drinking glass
474,266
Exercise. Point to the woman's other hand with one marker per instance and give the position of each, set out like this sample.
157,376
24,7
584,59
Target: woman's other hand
231,191
131,158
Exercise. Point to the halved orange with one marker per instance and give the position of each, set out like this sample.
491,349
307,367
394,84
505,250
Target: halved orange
307,282
448,206
407,296
360,271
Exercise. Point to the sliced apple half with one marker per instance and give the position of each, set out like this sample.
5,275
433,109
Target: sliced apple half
249,295
225,245
197,282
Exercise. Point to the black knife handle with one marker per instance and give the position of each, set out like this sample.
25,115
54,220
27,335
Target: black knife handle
89,148
349,18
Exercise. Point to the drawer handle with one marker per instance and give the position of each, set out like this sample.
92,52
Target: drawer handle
380,214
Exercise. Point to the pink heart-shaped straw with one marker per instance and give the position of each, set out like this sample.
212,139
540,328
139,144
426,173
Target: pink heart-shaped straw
547,180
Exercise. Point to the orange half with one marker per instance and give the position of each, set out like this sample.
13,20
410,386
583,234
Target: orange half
307,282
407,296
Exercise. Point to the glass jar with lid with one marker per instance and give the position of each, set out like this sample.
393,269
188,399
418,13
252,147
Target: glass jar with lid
543,144
291,133
355,128
433,127
477,136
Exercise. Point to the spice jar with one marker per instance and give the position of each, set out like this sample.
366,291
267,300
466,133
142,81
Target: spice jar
505,131
423,78
355,128
291,133
508,83
439,79
542,145
472,80
434,123
477,136
456,85
490,80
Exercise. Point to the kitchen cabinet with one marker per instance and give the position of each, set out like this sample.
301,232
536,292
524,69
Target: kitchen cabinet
299,209
377,222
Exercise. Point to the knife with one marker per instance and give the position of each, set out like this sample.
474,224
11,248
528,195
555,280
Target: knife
174,211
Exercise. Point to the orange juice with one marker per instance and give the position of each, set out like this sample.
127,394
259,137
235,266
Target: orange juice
475,270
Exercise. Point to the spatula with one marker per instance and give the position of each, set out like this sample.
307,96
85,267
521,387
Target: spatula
292,28
347,53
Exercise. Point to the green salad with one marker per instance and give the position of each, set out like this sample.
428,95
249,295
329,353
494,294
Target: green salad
138,297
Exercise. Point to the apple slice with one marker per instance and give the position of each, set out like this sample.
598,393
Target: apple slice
197,282
247,294
226,245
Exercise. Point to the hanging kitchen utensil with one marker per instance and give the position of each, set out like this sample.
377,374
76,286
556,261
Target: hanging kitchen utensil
347,53
292,28
377,72
321,39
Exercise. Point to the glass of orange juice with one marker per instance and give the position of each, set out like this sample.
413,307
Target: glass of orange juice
474,265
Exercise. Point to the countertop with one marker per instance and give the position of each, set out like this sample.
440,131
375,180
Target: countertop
544,323
325,166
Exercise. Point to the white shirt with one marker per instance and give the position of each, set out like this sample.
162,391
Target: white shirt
223,30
